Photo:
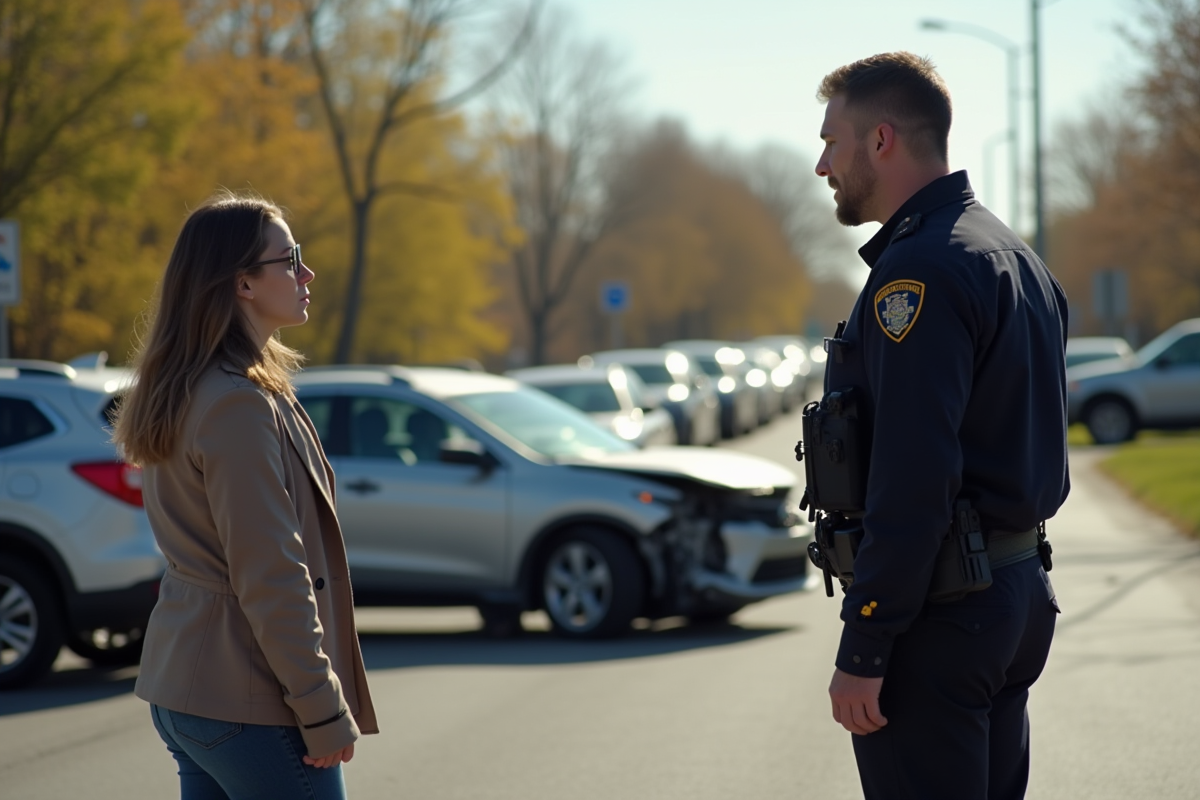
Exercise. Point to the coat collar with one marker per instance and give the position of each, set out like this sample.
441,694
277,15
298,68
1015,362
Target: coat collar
937,193
301,432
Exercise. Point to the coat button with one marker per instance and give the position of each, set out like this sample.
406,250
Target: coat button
320,583
878,661
857,660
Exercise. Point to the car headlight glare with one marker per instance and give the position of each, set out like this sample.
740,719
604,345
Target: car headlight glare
678,392
726,385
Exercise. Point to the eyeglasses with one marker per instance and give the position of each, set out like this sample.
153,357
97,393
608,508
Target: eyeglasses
293,260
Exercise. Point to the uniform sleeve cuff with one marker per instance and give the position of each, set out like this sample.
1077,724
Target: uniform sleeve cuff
862,655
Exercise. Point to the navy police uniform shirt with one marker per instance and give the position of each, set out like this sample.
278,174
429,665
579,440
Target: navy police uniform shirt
957,340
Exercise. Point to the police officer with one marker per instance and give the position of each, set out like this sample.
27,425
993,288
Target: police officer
956,348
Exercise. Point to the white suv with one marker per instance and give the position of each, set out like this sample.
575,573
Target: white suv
78,562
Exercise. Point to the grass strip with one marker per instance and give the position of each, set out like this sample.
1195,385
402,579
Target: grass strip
1162,472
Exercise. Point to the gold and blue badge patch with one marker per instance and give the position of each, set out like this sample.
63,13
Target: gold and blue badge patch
897,306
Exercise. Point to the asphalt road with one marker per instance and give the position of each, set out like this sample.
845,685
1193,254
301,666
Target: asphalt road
677,712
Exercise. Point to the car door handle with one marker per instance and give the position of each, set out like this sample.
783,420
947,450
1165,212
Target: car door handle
363,486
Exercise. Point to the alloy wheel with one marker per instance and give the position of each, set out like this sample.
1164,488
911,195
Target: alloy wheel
18,623
1110,422
578,586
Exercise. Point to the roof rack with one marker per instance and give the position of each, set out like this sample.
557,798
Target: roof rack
398,374
31,366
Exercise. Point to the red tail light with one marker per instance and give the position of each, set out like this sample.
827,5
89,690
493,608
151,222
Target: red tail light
122,481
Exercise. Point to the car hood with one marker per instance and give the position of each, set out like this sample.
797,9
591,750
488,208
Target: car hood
720,468
1096,369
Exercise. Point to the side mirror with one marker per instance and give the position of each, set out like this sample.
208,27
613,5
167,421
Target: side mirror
467,452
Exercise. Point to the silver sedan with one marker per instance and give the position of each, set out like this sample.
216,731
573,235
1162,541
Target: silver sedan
613,396
1158,387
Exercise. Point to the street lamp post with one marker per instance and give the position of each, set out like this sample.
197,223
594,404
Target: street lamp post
1013,53
1039,186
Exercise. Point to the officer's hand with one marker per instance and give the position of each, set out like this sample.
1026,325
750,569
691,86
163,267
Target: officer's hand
856,702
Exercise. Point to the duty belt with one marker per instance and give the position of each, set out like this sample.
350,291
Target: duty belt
1005,547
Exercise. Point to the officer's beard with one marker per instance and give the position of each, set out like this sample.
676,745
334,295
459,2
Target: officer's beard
857,188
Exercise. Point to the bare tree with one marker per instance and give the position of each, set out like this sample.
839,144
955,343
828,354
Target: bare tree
784,181
371,98
564,97
1089,153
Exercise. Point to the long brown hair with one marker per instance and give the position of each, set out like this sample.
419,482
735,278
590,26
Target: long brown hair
197,322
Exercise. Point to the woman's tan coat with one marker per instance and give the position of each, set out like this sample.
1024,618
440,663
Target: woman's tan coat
255,619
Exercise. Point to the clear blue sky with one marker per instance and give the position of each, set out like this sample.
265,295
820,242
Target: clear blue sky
744,71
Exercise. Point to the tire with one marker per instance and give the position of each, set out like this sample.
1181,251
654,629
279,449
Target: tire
108,648
31,629
500,621
713,617
1110,420
592,584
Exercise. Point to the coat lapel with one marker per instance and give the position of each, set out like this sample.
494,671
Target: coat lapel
302,435
304,441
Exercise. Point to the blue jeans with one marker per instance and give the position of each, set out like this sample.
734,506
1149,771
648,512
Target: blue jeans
237,761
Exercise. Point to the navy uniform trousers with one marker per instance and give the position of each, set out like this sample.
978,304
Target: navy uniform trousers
955,694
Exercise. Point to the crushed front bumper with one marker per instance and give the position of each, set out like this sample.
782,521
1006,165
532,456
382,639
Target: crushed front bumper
761,561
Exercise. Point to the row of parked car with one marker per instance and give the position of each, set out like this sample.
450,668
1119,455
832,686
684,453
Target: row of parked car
694,391
454,488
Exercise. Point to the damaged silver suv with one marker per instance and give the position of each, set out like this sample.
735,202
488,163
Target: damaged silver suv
458,488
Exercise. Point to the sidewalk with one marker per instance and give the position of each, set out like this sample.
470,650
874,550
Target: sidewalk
1114,714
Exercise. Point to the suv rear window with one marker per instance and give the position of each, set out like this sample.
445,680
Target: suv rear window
20,421
587,397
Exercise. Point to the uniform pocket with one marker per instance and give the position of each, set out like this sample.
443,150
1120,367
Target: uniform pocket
205,732
1049,590
970,619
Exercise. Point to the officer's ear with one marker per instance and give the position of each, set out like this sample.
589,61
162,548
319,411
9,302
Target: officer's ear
882,139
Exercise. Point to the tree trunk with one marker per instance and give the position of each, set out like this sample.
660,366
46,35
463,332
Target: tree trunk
361,217
537,336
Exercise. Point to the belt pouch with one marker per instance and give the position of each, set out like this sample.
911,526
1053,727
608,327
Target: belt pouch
962,564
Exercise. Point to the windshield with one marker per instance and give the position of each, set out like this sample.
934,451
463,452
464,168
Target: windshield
590,398
652,373
1156,347
710,366
544,424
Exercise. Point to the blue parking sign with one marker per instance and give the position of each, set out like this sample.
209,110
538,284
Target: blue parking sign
614,297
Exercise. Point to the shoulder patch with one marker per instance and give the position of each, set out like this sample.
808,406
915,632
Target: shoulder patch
897,306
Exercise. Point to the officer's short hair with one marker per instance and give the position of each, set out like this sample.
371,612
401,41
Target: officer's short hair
901,89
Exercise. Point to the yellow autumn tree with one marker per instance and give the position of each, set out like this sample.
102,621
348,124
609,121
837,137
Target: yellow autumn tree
262,126
397,139
86,116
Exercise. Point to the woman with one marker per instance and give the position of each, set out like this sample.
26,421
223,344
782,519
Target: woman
251,661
